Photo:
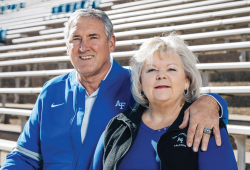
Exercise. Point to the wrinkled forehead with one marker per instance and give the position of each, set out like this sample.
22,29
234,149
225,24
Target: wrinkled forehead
80,19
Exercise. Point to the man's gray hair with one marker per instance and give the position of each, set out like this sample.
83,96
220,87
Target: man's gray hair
89,13
171,44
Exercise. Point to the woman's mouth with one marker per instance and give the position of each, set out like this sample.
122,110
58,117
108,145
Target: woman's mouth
162,87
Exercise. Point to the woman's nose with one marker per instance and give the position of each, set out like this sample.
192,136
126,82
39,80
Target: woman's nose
161,76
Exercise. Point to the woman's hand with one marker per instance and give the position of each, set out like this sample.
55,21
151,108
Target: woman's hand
203,113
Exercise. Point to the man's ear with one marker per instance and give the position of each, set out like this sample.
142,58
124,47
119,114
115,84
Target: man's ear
112,42
67,50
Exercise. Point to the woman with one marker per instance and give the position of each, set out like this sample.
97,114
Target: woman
165,81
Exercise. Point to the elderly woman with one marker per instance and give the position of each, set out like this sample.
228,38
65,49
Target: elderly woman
165,82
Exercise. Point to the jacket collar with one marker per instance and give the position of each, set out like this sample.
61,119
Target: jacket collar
114,72
133,117
179,119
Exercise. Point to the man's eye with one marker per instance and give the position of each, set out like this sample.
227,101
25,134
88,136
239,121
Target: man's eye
76,39
93,37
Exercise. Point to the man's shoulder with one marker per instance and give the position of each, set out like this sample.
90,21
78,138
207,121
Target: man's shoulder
118,72
59,79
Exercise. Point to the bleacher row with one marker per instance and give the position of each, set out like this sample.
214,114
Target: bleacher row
210,27
10,7
71,7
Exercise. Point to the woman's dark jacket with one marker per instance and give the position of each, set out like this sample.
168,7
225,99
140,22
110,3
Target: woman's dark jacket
121,133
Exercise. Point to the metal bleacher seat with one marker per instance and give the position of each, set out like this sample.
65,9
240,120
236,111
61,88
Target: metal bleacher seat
147,6
198,25
214,34
134,4
187,11
25,30
232,66
180,9
167,21
198,48
182,18
62,20
51,31
201,48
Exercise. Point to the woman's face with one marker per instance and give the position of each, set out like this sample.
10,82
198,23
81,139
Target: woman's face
164,79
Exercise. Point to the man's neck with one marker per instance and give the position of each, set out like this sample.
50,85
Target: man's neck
92,83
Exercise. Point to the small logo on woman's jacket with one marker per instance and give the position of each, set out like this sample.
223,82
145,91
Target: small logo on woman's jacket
180,140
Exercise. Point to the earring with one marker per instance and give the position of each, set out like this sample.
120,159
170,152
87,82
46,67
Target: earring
185,91
143,95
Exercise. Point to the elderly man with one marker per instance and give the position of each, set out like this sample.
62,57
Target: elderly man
73,109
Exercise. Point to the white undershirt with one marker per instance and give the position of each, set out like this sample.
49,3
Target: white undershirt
89,101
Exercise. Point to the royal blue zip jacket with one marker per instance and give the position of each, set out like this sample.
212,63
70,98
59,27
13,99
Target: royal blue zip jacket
52,136
51,139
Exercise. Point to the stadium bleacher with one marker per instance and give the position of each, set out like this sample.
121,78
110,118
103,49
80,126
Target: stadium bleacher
32,49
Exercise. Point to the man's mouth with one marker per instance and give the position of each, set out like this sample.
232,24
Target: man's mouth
87,57
162,87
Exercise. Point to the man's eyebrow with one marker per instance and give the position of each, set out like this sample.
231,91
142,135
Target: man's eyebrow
94,34
75,35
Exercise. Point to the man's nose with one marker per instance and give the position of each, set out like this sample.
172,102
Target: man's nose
84,45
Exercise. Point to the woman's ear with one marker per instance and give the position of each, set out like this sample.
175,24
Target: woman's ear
187,83
140,86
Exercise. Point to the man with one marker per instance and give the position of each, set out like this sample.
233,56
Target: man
73,109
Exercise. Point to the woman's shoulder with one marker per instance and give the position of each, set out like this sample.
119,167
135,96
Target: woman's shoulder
115,121
130,117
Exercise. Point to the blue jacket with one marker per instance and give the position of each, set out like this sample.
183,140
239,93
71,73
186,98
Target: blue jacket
52,136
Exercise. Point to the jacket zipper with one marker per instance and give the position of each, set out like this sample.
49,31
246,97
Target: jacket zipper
72,141
128,147
161,138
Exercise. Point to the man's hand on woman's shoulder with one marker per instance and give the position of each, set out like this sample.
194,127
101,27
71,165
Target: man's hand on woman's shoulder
203,113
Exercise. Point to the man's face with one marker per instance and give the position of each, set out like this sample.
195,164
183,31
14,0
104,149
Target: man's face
89,48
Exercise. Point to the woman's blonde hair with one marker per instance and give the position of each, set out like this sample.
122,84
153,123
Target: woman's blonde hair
171,44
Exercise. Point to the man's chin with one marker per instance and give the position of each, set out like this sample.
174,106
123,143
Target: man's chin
85,72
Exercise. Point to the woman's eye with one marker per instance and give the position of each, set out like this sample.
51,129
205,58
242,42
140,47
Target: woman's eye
172,69
150,70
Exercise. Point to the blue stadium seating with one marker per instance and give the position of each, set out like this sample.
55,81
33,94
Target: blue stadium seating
3,34
62,8
96,4
22,5
85,4
3,8
71,7
12,7
77,5
55,10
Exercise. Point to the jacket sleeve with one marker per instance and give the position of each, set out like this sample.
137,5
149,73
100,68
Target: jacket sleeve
217,158
27,154
96,163
223,105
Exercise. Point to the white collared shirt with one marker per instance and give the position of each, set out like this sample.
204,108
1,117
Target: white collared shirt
89,101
